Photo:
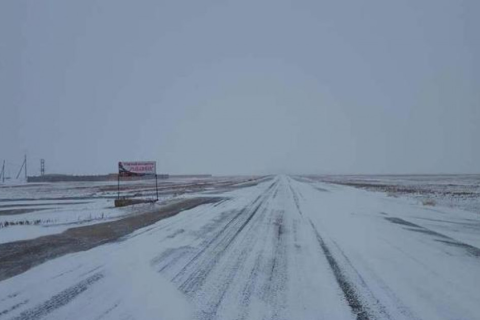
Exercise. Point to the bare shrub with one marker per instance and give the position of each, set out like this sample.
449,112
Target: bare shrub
429,202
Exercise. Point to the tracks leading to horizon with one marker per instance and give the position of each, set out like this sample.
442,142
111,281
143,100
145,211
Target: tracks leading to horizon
283,249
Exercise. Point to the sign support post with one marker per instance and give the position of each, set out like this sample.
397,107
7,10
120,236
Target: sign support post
156,183
118,185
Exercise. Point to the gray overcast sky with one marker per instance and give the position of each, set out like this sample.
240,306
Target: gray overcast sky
240,87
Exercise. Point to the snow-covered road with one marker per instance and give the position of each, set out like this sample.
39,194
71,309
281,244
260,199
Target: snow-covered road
287,248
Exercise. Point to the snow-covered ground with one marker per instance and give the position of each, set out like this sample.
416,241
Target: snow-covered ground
45,219
103,189
454,190
31,210
287,248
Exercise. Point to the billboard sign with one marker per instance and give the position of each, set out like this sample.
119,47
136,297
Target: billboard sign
138,168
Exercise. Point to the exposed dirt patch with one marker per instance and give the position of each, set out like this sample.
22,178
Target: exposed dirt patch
12,212
14,206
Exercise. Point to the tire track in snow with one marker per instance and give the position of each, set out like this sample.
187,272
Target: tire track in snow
213,253
58,300
231,261
221,241
208,273
276,283
295,198
260,255
349,291
221,238
359,295
228,272
267,276
471,250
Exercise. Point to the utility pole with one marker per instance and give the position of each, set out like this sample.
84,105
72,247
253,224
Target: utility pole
3,172
24,164
42,167
26,177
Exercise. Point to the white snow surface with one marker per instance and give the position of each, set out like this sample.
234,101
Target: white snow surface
28,211
282,249
52,219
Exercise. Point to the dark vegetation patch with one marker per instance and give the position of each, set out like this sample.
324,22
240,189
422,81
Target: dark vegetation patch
6,224
408,189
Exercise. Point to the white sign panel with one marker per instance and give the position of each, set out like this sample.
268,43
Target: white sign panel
137,168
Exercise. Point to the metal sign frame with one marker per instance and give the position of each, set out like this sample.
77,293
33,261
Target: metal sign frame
123,172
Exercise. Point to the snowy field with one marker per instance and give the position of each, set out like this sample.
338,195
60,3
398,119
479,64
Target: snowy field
279,248
31,210
455,191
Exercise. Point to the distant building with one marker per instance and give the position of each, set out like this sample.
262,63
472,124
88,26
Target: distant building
77,178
